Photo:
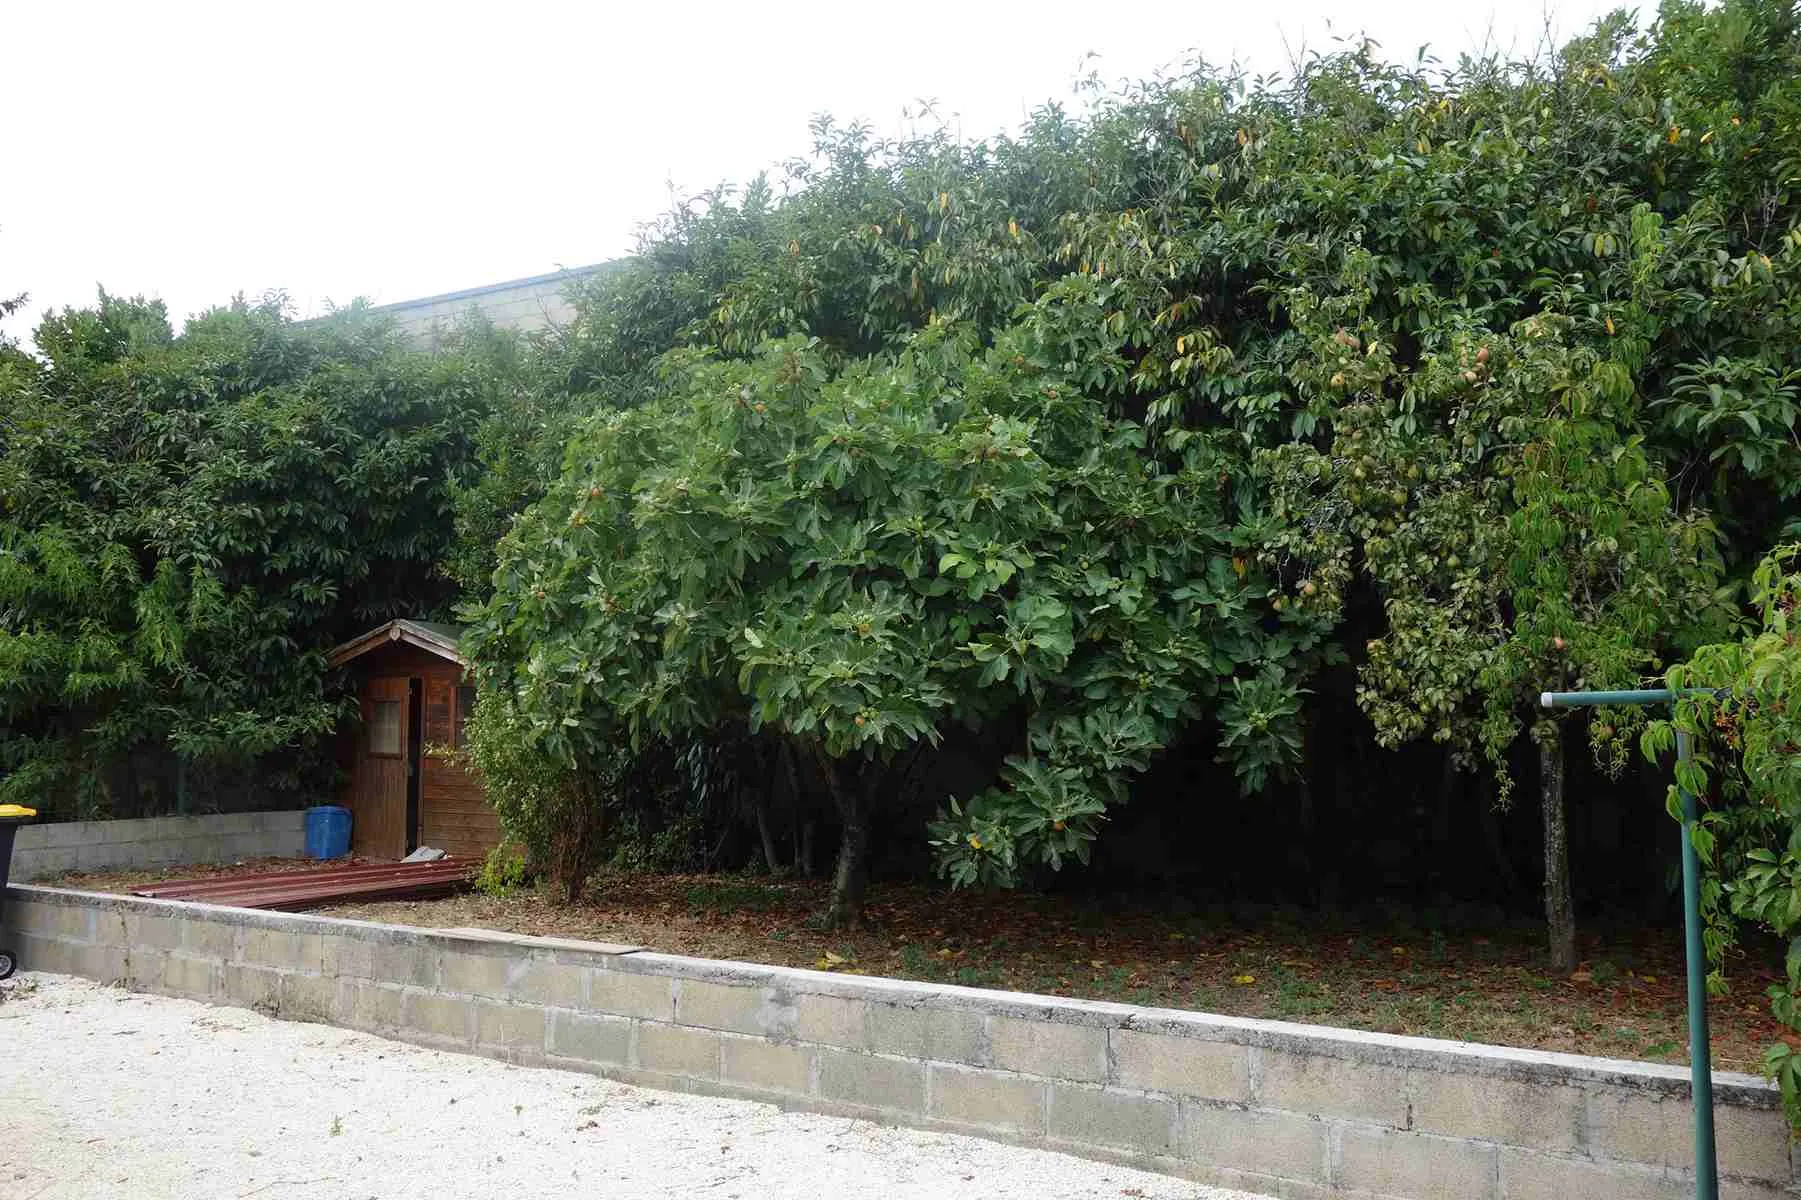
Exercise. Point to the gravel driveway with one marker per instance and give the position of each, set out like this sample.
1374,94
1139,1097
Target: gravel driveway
111,1094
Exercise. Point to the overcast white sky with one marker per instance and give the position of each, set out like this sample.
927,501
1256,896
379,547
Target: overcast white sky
192,150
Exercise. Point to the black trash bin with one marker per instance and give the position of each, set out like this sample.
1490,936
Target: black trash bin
11,817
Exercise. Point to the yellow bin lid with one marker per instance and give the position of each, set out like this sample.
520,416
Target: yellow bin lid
16,810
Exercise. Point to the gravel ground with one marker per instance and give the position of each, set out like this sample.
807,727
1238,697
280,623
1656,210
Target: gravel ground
112,1095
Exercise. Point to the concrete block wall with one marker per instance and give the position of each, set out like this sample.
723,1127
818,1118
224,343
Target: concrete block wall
526,305
43,850
1291,1111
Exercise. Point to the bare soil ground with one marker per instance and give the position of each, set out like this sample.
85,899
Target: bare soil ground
1625,1000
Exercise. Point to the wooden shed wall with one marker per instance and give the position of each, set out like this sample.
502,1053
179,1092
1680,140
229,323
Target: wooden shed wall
454,814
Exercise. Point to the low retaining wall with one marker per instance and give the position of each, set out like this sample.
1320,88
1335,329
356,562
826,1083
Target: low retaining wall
1294,1111
40,851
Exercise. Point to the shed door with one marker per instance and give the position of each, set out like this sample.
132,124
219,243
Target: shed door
383,770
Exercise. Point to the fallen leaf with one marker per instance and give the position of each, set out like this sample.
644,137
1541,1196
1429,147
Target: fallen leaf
1244,979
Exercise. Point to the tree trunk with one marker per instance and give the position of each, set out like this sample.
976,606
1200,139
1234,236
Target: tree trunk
851,878
1560,913
806,848
575,848
765,833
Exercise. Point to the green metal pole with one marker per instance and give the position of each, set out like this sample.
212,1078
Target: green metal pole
1700,1055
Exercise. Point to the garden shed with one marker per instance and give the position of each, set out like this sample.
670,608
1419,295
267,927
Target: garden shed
406,784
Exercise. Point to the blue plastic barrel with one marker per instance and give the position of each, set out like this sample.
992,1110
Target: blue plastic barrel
327,831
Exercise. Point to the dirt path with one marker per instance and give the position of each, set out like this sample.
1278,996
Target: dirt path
114,1095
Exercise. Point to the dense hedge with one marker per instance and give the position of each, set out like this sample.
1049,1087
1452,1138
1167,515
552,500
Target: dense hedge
187,525
1476,379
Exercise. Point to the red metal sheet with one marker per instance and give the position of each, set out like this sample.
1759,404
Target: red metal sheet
308,889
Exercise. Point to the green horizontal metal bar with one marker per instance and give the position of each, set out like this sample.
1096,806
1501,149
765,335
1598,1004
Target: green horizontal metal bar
1637,696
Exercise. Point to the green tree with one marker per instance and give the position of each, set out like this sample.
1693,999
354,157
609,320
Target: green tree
187,525
850,562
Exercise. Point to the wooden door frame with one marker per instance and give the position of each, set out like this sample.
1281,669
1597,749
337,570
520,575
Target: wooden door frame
415,748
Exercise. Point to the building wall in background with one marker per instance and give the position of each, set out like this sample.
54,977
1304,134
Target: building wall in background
527,305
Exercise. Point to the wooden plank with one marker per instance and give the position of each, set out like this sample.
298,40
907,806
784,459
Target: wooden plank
467,808
438,690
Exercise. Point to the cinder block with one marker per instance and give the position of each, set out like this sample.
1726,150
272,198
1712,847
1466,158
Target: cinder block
509,1026
451,1018
72,921
283,949
1330,1087
233,846
557,984
592,1039
1274,1144
512,975
253,986
1015,1103
1157,1062
206,849
1102,1117
1750,1143
1542,1115
160,852
943,1034
47,835
309,997
114,833
1528,1175
40,953
408,964
1047,1048
870,1082
28,917
234,823
102,964
365,1005
148,931
651,997
144,967
195,978
102,856
207,937
760,1063
733,1009
676,1050
1393,1162
31,865
831,1021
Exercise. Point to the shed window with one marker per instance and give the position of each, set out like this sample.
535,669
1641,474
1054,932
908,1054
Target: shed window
465,703
385,738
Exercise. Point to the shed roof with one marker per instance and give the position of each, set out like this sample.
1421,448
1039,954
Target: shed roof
437,637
